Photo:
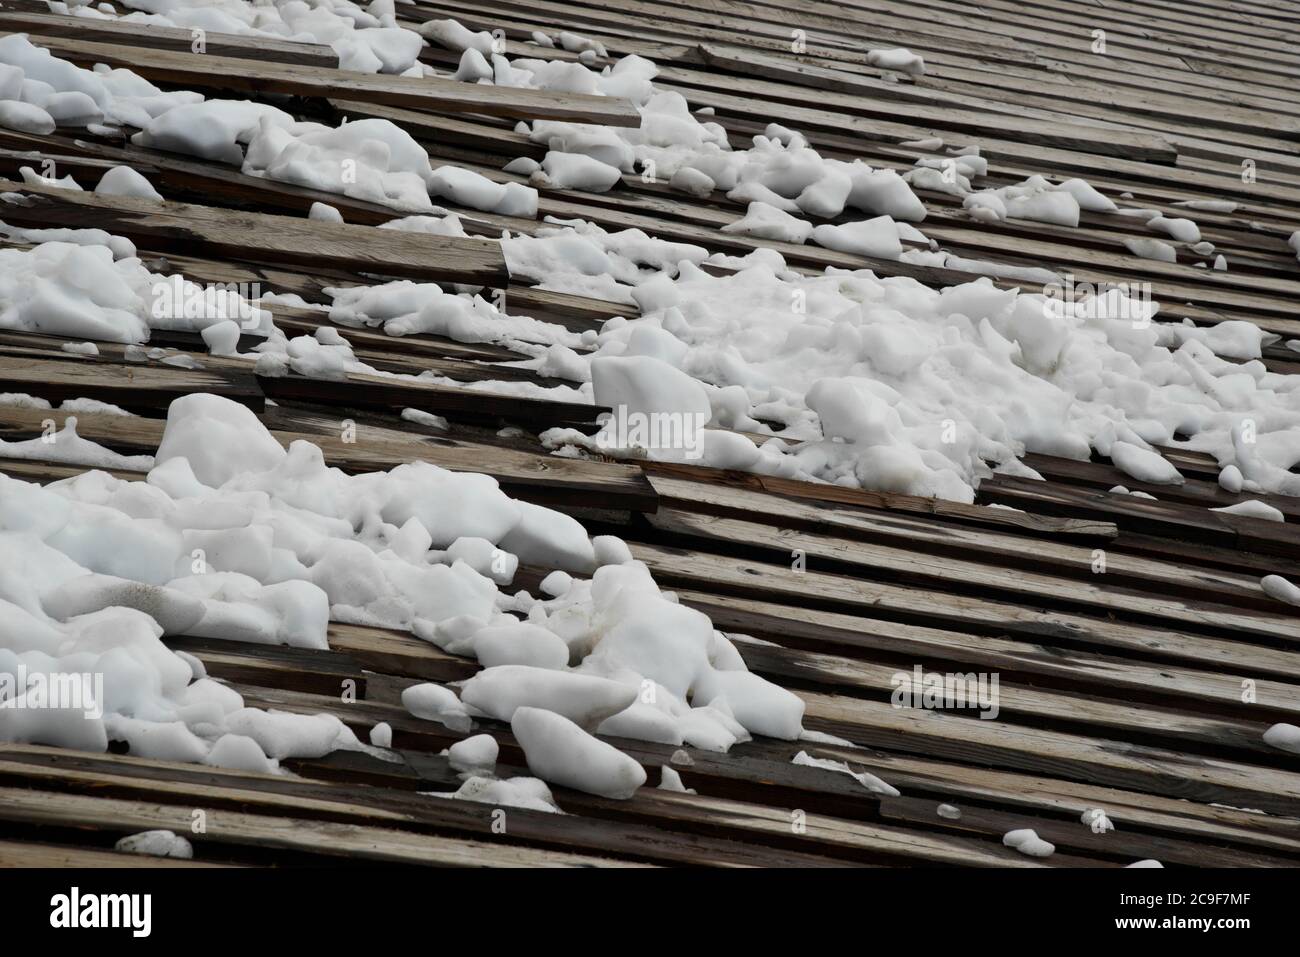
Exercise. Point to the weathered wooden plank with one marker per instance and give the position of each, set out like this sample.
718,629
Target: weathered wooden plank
767,776
677,568
363,390
445,95
1205,492
35,854
37,807
1092,712
142,386
941,537
389,802
153,36
796,71
1074,837
1144,516
543,479
887,563
1074,757
944,781
821,494
1038,664
277,240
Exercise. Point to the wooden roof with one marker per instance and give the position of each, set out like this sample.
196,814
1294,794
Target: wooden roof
1123,691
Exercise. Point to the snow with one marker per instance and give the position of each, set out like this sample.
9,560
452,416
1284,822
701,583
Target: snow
587,700
1183,230
899,59
77,287
877,238
451,34
368,159
1096,819
324,213
435,703
559,751
868,780
1151,249
26,118
213,129
1144,464
767,222
575,171
695,183
1012,371
1034,199
521,644
1275,586
670,780
1284,737
1253,508
366,37
124,181
474,754
528,793
1027,841
877,383
67,446
233,537
156,844
467,188
217,440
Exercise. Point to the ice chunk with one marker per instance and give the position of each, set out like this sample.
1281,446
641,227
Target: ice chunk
157,844
1027,841
1144,465
476,754
559,751
585,699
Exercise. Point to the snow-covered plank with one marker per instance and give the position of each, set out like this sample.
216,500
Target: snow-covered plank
446,95
463,131
175,175
1092,701
381,352
759,772
152,36
1205,491
329,792
274,240
1144,516
831,495
535,477
763,828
